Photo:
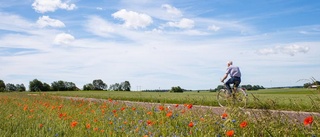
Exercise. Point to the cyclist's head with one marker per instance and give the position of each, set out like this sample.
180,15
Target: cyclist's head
229,63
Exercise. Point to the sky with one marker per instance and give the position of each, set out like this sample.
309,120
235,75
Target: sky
159,44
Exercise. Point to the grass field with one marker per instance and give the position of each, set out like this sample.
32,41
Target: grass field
279,99
45,114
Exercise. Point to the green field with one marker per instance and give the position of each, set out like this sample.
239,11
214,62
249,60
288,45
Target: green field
279,99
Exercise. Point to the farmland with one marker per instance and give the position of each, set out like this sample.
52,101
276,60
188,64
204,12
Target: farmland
49,114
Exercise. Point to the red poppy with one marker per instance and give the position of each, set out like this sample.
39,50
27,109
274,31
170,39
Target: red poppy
74,123
230,133
243,124
40,125
224,115
177,105
123,108
190,106
149,122
308,120
114,111
88,126
169,114
190,124
161,108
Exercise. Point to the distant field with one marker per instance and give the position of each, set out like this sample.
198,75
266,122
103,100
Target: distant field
284,99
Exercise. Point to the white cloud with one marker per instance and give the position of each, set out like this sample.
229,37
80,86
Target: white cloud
290,50
43,6
214,28
133,19
182,24
294,49
172,10
63,39
100,27
45,21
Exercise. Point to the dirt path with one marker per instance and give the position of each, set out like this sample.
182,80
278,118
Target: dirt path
293,115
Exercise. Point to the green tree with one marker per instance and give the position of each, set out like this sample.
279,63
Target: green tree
2,86
88,86
125,86
20,87
46,87
98,84
35,85
11,87
115,87
177,89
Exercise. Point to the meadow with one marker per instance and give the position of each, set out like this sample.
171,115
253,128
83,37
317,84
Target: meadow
48,114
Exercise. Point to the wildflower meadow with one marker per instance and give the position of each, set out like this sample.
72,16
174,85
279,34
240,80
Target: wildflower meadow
31,115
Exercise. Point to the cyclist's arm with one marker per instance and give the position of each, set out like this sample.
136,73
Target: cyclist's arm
224,77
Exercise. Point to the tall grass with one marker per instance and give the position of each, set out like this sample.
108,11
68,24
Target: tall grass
46,115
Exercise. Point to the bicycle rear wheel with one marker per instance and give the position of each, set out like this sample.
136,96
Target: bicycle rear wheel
222,98
241,98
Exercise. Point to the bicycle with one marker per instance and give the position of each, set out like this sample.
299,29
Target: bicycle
238,97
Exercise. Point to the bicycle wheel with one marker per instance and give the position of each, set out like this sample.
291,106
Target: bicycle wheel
222,98
241,98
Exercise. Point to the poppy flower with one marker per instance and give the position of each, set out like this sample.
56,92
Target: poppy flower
114,111
189,106
224,115
230,133
177,105
74,123
190,124
123,108
149,113
149,122
161,108
40,125
308,120
169,114
88,126
243,124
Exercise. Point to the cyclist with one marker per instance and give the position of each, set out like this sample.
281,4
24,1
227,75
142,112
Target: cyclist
235,77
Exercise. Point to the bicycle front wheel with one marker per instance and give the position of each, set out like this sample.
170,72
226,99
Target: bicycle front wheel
222,98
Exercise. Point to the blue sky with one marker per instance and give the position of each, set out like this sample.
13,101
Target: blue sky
159,44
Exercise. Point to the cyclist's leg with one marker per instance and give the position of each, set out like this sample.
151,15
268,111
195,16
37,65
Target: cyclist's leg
230,81
236,83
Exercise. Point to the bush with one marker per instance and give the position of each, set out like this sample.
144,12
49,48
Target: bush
177,89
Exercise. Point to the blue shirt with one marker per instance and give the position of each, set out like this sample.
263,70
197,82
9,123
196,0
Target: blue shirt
233,71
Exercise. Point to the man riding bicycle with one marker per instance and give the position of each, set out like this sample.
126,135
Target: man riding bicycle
235,77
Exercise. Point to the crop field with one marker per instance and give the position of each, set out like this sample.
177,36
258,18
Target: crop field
32,114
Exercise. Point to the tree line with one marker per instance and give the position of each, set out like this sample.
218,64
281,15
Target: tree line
37,85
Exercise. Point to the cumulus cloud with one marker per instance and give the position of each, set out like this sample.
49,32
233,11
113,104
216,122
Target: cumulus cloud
63,39
133,19
45,21
182,24
172,10
43,6
290,50
100,27
214,28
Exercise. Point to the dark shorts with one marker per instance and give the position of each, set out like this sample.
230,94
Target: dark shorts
233,80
